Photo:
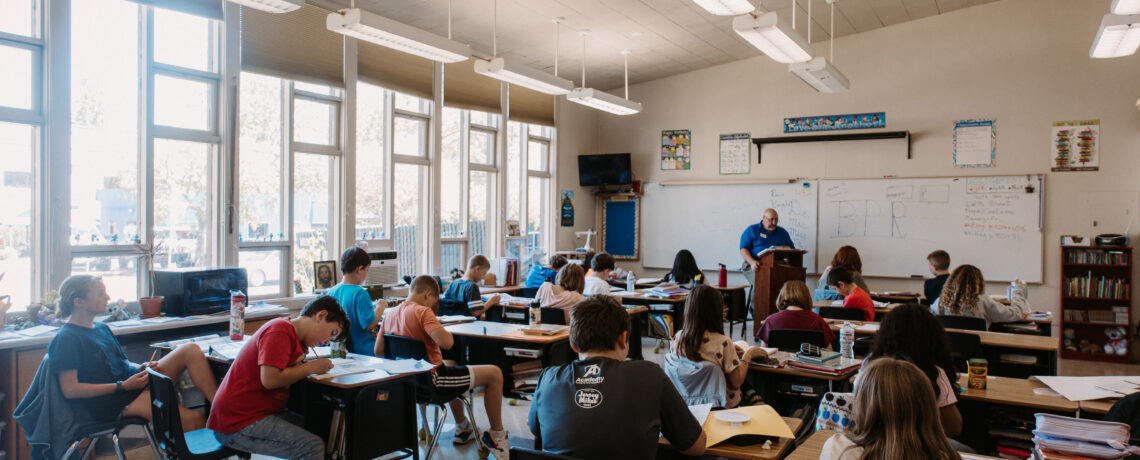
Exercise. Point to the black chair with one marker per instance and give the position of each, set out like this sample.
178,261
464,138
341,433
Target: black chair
400,347
95,431
551,315
528,292
522,453
965,346
968,323
790,339
195,445
847,314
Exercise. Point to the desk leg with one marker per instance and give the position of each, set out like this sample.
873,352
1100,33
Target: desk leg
636,323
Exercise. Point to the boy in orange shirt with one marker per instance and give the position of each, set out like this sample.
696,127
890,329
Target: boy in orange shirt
843,281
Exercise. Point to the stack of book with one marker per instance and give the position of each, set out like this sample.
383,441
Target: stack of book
828,363
1066,437
668,290
525,375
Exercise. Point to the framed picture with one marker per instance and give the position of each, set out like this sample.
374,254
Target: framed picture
325,274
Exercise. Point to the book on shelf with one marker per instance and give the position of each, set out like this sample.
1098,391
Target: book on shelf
528,365
1096,257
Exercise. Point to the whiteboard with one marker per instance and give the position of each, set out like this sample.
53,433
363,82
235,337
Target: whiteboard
993,223
709,219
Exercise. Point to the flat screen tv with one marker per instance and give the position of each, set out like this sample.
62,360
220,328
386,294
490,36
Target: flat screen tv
604,169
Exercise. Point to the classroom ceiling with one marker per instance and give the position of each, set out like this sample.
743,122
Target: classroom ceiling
666,37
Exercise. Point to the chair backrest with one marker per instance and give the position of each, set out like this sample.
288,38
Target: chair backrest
164,415
698,382
969,323
964,346
850,314
400,347
551,315
790,339
528,292
522,453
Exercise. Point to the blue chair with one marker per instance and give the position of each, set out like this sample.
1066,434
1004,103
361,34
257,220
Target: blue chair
175,443
528,292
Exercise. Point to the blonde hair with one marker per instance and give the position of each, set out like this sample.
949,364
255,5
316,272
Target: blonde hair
571,278
895,413
960,294
478,260
73,288
794,294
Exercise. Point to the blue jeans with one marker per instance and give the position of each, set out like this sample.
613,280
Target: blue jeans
273,435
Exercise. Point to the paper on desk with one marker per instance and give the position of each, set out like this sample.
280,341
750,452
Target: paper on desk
321,352
1120,386
869,327
622,293
404,366
36,331
162,319
343,367
9,335
648,280
124,323
700,412
1085,388
763,420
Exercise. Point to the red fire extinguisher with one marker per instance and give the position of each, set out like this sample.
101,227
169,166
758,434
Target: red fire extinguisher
722,276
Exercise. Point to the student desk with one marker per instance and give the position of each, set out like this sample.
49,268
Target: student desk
1006,406
676,304
813,446
485,342
1097,407
727,449
1016,392
492,290
518,314
896,297
793,372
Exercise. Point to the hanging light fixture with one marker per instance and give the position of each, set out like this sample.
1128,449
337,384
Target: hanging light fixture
602,100
775,38
726,7
518,74
819,73
1118,36
386,32
272,6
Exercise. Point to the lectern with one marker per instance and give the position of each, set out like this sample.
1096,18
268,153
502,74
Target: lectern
777,266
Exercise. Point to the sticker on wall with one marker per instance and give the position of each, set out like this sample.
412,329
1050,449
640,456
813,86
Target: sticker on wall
1076,145
675,145
835,122
734,150
975,143
567,208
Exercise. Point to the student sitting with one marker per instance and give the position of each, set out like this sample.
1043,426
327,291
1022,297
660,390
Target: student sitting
94,373
895,417
684,270
794,302
539,274
566,293
965,295
466,289
249,412
842,280
702,339
416,319
602,406
939,267
363,314
911,332
603,267
846,257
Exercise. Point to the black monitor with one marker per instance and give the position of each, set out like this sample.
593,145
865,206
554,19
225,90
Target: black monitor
604,169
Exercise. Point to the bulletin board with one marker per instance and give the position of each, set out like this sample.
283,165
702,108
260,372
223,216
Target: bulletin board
621,227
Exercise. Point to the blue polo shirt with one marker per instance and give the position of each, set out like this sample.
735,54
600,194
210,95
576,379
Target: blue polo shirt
361,313
756,238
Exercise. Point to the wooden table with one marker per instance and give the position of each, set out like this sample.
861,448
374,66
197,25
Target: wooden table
1015,392
813,447
896,297
1097,406
793,372
636,322
492,290
485,341
751,452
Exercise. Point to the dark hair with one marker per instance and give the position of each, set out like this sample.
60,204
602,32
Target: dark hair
684,267
602,261
424,283
939,259
352,258
911,332
330,305
847,256
596,323
837,274
478,260
72,288
558,261
704,312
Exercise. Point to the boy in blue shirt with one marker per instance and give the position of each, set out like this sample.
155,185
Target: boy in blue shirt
466,289
539,274
363,314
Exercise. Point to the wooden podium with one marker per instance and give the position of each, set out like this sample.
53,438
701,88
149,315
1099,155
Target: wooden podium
776,267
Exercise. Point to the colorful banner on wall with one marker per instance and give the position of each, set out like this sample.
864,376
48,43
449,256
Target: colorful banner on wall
675,145
1075,145
567,208
835,122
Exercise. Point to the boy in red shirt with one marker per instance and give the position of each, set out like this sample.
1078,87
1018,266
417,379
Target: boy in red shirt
843,281
416,319
247,411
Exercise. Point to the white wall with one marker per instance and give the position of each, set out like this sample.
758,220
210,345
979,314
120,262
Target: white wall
1023,62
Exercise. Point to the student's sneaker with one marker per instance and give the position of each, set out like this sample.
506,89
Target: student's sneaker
498,445
464,433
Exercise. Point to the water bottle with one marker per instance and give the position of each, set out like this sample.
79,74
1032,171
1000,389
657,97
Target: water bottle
722,276
847,340
630,282
535,313
237,315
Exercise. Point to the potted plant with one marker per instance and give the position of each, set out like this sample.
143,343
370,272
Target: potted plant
150,305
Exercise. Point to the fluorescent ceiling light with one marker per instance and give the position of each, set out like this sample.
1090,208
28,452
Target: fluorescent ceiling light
821,75
272,6
775,38
382,31
601,100
1125,7
1118,36
518,74
726,7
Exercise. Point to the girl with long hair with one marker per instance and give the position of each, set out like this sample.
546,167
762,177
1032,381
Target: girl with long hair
703,339
684,269
965,295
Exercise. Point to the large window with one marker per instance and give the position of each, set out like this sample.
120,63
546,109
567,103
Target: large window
411,118
372,115
467,187
528,194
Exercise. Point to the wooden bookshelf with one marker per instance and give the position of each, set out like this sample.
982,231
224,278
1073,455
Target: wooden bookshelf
1096,295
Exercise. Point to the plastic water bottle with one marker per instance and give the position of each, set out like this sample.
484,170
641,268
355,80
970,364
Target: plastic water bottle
847,340
237,314
630,282
535,313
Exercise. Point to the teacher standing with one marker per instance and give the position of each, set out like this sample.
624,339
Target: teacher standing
761,236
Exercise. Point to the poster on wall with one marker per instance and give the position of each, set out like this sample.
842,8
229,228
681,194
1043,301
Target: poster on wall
675,144
975,143
734,150
1075,145
567,208
835,122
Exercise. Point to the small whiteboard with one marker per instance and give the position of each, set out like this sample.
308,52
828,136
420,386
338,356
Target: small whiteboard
734,153
975,143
